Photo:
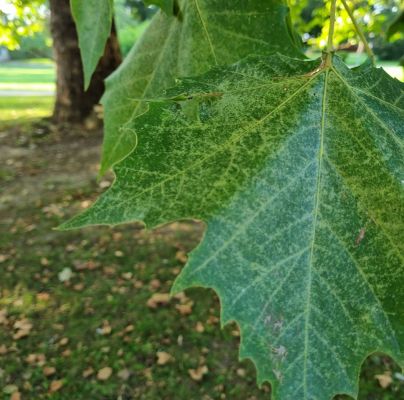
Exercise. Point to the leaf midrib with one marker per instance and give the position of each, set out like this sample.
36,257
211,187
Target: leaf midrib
316,212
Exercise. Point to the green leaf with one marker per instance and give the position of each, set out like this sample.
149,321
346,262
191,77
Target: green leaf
297,169
397,26
94,22
209,32
166,5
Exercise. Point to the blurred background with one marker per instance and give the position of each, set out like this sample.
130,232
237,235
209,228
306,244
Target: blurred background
86,314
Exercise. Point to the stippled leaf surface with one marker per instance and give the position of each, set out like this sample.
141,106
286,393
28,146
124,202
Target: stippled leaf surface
93,21
204,33
297,170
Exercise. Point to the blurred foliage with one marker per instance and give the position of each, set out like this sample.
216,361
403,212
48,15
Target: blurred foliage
139,9
38,45
396,28
132,17
374,16
19,19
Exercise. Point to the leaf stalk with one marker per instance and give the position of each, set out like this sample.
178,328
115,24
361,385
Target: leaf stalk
330,43
359,31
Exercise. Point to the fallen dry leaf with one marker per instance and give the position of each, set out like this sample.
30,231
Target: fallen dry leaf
64,341
129,328
127,276
16,396
385,380
105,329
155,284
104,374
66,353
49,371
3,317
198,373
23,328
43,296
199,327
164,358
181,256
55,386
79,287
88,372
124,374
158,299
184,309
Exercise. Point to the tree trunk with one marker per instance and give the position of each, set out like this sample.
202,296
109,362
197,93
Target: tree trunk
73,104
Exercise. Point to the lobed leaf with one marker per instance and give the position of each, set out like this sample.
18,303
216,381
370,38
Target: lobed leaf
204,33
94,22
298,171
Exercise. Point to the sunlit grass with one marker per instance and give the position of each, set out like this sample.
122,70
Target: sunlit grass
26,76
14,110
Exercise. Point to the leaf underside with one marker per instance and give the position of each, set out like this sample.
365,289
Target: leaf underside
298,172
205,33
94,22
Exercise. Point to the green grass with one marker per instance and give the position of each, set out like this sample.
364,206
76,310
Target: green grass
24,109
36,75
27,75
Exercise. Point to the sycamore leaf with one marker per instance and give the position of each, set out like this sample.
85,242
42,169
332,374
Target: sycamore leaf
93,21
166,5
204,34
298,170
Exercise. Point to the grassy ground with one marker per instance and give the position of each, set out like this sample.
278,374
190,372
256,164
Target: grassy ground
25,76
24,109
79,318
30,75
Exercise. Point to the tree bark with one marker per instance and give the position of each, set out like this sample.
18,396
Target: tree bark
73,104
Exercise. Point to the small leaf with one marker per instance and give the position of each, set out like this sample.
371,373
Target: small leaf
158,299
16,396
55,386
104,374
94,22
49,371
164,358
198,373
385,380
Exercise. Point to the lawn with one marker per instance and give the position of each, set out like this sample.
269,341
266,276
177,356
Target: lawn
24,109
30,75
25,88
85,315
